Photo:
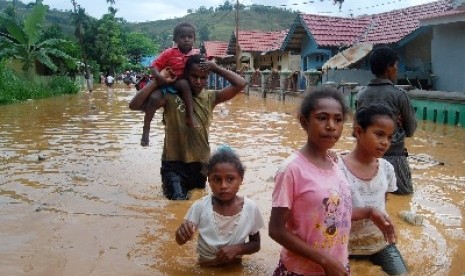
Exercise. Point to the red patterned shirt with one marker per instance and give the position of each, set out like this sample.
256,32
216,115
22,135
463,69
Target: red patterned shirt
173,58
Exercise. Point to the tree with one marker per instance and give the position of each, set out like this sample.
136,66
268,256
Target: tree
204,33
24,42
65,67
79,14
109,44
139,45
227,6
339,3
202,9
164,39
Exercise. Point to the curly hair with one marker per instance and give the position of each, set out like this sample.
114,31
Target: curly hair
365,115
178,29
381,59
310,100
224,154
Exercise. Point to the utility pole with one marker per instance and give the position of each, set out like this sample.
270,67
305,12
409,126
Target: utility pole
84,57
238,56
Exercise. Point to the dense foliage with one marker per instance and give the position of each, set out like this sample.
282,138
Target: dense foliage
219,23
60,43
24,41
213,23
14,87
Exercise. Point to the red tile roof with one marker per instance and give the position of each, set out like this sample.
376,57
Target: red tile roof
382,28
216,49
260,41
334,31
446,13
390,27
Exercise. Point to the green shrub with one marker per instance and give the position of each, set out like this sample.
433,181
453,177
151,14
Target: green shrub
14,88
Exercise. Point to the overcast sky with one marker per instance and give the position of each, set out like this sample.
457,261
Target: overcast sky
150,10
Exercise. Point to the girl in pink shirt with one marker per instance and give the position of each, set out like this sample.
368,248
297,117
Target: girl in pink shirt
312,210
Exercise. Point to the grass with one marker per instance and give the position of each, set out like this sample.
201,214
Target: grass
15,88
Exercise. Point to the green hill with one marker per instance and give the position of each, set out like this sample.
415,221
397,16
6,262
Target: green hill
211,25
221,24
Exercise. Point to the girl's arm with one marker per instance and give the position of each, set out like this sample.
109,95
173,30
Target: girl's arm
279,233
229,253
380,219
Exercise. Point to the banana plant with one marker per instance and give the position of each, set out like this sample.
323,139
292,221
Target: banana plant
23,41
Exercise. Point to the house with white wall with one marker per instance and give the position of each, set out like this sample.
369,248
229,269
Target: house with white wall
317,38
261,50
448,49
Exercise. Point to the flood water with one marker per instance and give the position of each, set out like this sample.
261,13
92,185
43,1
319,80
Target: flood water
80,196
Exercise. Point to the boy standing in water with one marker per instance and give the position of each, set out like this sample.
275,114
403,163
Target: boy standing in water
172,61
384,65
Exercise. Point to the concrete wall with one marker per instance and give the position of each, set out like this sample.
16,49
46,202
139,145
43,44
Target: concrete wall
273,60
448,57
436,106
293,62
361,77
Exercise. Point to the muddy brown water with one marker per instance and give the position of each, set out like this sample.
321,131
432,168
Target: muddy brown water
80,196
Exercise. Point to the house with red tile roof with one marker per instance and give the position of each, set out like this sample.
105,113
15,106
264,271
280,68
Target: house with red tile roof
261,50
448,32
317,38
217,51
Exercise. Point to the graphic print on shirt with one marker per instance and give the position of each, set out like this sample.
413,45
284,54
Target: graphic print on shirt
331,204
181,107
333,208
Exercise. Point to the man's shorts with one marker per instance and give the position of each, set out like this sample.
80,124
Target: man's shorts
168,89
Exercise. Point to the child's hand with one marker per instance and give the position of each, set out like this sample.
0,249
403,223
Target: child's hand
334,267
332,155
227,254
384,224
167,76
185,232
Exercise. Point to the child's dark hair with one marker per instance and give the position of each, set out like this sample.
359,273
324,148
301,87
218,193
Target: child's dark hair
177,30
194,59
225,154
365,115
311,100
381,59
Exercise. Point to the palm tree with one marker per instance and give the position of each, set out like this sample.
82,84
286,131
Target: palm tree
24,42
80,13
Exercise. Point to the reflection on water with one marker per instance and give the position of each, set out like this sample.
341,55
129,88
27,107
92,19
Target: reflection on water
79,196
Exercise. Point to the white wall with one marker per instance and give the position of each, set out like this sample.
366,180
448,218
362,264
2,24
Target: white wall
448,57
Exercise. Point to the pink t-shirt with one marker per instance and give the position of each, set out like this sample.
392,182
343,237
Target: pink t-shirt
320,211
174,58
